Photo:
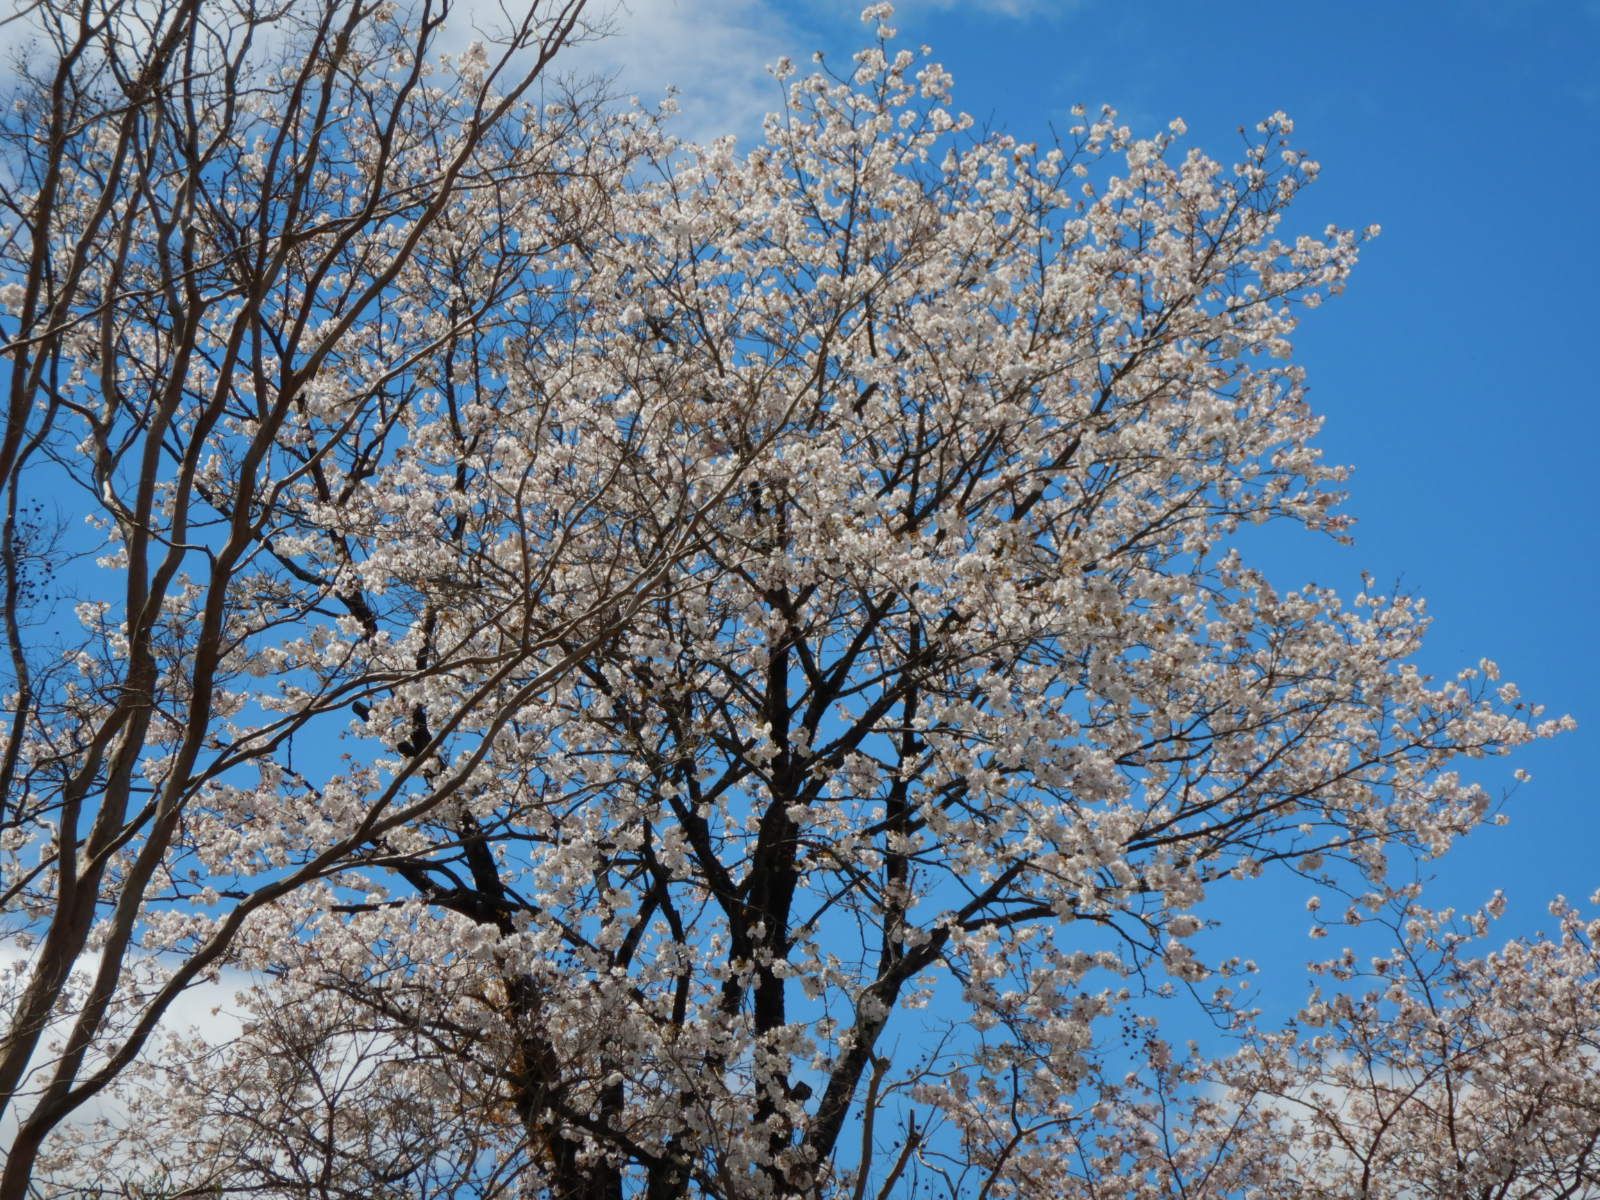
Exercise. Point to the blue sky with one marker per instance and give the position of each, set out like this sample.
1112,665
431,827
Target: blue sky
1453,374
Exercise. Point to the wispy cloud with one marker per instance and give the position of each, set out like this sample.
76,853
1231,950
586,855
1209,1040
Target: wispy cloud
1015,9
714,52
206,1010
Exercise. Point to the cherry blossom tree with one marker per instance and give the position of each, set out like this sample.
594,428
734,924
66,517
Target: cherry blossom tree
799,680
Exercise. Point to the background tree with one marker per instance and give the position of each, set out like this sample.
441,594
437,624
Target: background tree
939,699
1431,1071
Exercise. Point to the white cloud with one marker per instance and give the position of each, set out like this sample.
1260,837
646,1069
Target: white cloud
1021,10
715,52
206,1010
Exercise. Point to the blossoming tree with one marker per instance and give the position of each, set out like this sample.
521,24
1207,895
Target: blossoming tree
1429,1071
796,680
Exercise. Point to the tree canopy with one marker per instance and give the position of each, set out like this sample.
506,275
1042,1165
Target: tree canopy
689,671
